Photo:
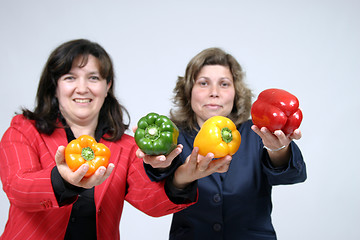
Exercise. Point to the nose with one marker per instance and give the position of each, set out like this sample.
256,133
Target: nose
82,86
214,91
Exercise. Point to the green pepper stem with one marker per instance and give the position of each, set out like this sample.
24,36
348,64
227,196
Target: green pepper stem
226,135
87,153
152,132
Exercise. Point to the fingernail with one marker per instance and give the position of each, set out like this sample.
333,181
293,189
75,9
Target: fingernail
85,168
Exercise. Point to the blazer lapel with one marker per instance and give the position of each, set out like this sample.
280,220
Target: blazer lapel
53,141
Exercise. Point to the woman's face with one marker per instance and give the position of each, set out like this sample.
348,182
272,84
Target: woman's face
213,93
81,93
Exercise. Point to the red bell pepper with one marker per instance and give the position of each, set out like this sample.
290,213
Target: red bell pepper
276,109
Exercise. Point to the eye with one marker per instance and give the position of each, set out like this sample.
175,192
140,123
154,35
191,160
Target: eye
225,83
202,82
68,78
94,78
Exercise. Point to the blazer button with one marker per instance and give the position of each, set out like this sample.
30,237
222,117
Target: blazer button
217,198
217,227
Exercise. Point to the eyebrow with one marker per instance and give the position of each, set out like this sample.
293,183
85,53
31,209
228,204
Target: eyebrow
222,78
94,72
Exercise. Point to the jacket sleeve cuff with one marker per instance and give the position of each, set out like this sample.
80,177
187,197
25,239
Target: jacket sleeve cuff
65,193
181,196
157,174
267,163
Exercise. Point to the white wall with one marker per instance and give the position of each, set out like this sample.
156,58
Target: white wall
308,47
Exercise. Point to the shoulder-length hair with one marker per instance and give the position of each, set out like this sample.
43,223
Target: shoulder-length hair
46,112
183,115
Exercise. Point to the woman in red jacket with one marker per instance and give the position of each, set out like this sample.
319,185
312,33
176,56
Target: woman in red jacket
49,201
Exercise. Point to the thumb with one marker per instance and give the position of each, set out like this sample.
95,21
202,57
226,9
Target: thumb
134,129
60,155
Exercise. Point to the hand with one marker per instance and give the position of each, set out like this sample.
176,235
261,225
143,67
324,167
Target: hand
160,161
197,166
277,139
77,178
277,144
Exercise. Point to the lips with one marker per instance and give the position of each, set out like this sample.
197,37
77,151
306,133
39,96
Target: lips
213,106
82,100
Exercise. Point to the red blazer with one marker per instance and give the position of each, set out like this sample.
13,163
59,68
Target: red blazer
26,161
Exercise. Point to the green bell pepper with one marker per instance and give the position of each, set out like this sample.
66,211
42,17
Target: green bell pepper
156,134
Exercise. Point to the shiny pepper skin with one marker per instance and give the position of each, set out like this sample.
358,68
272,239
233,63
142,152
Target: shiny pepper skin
276,109
219,136
156,134
85,149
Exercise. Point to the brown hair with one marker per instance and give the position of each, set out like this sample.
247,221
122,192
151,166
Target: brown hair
46,112
183,115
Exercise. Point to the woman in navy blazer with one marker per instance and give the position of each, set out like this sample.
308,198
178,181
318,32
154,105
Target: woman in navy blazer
235,204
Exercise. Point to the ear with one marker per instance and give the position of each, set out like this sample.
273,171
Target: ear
108,87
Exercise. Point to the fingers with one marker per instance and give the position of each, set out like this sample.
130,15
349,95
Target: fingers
197,166
134,129
192,160
256,129
160,161
175,152
60,155
76,177
276,139
208,165
220,165
139,153
296,134
101,174
204,162
109,170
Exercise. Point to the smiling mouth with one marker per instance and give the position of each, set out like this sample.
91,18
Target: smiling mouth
82,100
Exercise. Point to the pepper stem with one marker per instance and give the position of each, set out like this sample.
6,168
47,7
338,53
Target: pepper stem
226,135
87,153
152,132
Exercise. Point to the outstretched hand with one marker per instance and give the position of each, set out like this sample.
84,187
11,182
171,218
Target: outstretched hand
277,144
77,178
197,166
277,139
159,161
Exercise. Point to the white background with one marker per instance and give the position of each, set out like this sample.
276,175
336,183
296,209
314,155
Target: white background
308,47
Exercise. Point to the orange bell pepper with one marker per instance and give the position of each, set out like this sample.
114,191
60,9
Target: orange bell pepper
85,149
219,136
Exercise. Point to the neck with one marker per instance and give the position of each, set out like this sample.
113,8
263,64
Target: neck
83,129
78,131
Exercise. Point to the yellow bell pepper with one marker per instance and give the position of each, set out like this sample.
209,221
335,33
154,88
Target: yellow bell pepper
219,136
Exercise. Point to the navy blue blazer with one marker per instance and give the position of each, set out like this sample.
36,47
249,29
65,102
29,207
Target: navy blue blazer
236,204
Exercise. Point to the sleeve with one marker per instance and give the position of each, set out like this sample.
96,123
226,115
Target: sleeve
181,196
145,195
65,193
156,174
26,180
294,172
178,196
